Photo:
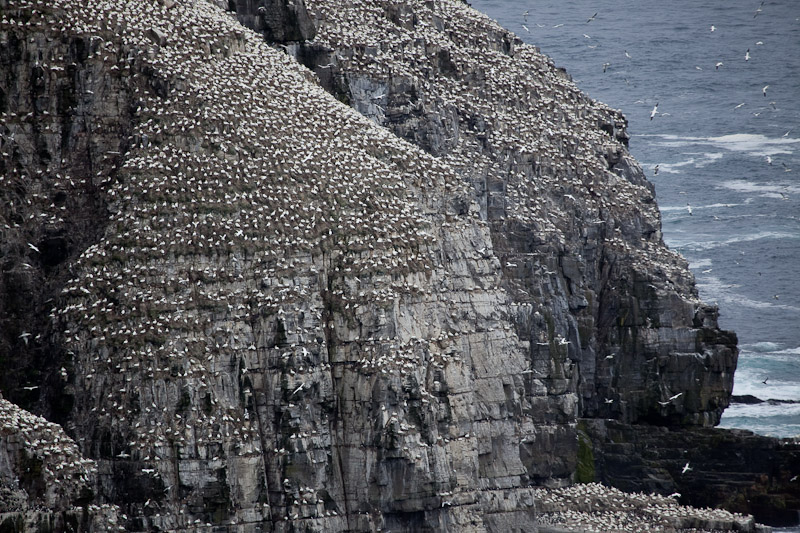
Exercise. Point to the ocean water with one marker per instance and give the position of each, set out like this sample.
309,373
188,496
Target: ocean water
727,151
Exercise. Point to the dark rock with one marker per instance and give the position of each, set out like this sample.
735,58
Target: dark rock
732,469
745,399
280,21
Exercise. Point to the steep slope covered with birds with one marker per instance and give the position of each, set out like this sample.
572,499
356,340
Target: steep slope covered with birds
251,306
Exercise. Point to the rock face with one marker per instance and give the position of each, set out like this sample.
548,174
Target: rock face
45,484
262,310
281,21
611,316
735,470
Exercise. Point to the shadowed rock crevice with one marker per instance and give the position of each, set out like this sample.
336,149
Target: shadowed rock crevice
66,123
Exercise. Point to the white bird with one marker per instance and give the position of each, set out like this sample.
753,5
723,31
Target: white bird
713,28
24,336
591,18
675,397
627,55
688,208
34,248
747,55
525,28
718,64
738,106
654,112
686,468
764,90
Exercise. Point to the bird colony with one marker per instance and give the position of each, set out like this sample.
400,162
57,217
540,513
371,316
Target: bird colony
285,316
594,508
293,317
520,118
573,220
53,472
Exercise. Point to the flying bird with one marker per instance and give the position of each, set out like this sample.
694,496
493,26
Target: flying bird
747,55
719,64
713,28
654,112
764,90
592,17
605,66
655,171
686,468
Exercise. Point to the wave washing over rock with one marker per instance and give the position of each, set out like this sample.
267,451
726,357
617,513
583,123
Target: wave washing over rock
254,307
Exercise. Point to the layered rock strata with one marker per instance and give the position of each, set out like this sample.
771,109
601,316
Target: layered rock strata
735,470
268,312
611,315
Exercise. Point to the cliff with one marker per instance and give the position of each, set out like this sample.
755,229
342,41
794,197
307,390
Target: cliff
379,292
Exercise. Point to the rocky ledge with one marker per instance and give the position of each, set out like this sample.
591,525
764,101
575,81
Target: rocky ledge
389,272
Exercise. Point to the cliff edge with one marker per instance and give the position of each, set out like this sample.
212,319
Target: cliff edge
378,293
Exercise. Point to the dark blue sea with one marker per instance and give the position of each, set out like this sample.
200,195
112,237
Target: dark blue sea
726,139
